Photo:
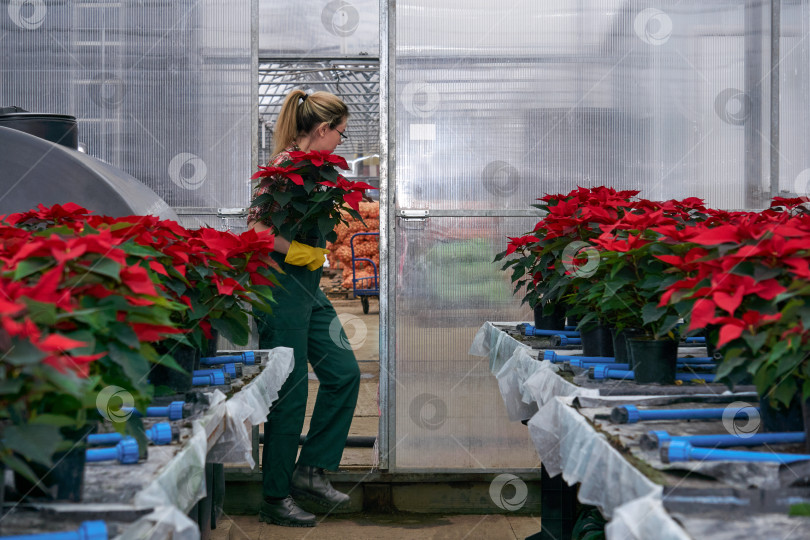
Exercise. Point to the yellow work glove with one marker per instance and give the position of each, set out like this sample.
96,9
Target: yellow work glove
303,255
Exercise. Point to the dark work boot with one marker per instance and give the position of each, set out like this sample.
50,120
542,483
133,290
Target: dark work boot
311,483
285,512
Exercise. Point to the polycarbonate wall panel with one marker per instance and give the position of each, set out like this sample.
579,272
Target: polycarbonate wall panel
161,90
498,103
319,28
794,92
449,412
501,102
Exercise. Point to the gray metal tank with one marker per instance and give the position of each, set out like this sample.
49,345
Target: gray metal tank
34,171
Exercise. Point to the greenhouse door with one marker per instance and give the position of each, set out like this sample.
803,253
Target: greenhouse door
441,407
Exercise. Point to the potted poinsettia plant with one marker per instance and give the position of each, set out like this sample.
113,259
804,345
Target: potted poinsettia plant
752,283
317,197
217,275
625,286
542,261
78,320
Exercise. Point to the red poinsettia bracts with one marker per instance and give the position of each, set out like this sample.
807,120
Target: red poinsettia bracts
290,171
515,243
316,202
354,191
318,158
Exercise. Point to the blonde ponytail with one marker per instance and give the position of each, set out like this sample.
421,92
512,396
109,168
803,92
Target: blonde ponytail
301,113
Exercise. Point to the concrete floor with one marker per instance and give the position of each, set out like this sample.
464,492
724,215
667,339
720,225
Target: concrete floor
363,332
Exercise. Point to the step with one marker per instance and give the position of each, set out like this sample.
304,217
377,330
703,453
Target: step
513,492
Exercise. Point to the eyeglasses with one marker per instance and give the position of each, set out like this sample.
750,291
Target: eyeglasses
342,136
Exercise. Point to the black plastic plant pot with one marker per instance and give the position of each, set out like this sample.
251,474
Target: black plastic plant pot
555,321
806,417
597,341
65,480
58,128
211,346
186,357
621,345
654,360
712,334
783,419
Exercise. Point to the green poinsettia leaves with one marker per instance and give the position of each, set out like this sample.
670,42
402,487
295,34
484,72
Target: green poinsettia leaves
235,328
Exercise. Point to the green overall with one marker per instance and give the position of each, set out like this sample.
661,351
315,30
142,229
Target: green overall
304,320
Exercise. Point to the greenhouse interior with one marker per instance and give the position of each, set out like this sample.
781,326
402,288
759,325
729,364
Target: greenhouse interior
385,269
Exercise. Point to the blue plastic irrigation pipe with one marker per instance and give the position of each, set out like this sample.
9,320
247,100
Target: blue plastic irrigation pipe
174,410
126,452
532,331
229,369
630,414
695,339
214,379
715,441
582,363
604,371
683,451
565,340
246,357
88,530
682,362
159,434
553,356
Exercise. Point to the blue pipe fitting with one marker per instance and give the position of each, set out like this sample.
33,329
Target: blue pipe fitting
173,411
677,451
532,331
246,357
565,340
630,414
126,452
724,440
159,434
212,379
88,530
605,371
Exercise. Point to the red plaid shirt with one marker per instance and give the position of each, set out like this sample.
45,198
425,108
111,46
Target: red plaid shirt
271,183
